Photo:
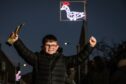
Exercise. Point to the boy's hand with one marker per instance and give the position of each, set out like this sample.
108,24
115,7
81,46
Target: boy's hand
92,41
12,38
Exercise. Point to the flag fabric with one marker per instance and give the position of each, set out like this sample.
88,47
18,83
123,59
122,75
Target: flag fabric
82,40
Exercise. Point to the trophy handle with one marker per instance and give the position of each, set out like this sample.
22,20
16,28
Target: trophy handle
18,28
17,31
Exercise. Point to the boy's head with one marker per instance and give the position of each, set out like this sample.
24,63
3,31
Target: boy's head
49,38
50,44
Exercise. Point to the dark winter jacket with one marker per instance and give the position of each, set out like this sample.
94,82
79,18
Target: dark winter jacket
119,76
50,69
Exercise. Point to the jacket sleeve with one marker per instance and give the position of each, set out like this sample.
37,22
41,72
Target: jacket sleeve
80,57
25,53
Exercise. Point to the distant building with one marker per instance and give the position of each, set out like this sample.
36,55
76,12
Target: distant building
8,70
27,78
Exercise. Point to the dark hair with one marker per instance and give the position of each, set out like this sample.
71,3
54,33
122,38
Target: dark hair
49,37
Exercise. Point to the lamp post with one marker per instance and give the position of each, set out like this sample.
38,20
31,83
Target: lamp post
82,43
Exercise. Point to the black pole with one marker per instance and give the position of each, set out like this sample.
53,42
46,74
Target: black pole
82,43
78,68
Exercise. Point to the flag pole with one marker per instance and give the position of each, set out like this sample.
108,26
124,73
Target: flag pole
85,28
82,43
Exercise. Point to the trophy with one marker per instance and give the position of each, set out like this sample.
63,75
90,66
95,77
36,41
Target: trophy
17,31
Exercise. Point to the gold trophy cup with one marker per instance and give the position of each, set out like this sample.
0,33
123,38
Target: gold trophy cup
17,30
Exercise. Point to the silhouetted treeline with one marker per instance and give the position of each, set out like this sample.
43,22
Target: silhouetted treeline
106,65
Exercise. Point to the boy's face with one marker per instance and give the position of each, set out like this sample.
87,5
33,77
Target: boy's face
51,47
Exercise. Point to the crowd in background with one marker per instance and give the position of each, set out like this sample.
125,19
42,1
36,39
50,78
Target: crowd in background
102,69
